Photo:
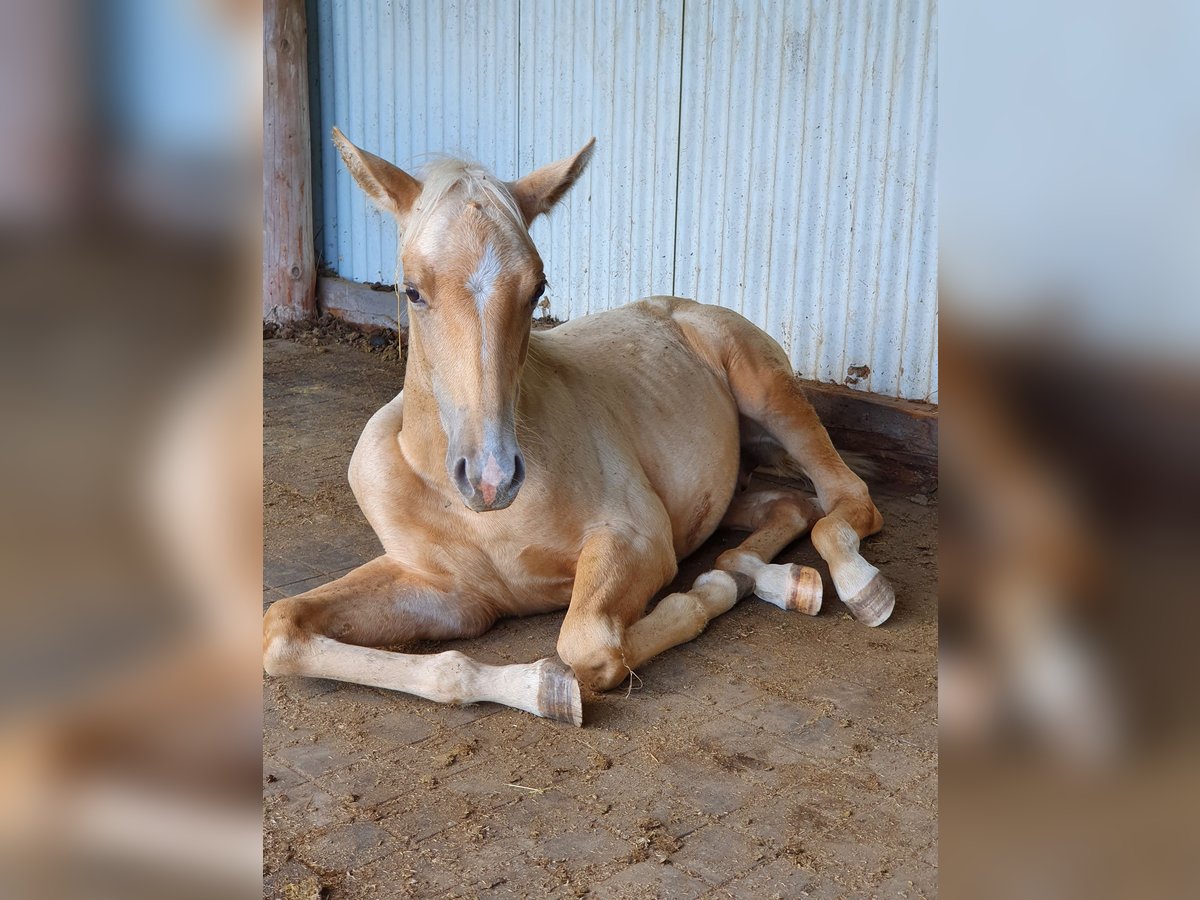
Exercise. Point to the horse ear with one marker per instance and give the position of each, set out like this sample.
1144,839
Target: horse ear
538,191
390,187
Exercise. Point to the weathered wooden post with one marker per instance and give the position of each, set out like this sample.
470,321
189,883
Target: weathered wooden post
289,264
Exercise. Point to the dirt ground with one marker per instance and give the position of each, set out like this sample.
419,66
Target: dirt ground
776,755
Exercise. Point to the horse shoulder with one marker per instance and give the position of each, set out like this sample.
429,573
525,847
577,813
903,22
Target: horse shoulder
377,454
389,492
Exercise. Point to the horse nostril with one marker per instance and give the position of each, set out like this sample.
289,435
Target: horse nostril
518,469
460,474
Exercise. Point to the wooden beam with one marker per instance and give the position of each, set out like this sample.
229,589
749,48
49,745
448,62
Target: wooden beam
898,437
289,261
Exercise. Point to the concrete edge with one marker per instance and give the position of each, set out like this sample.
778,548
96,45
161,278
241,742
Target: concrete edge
360,304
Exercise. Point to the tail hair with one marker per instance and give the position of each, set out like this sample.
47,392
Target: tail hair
860,464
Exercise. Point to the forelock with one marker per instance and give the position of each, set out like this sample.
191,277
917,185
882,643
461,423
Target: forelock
443,175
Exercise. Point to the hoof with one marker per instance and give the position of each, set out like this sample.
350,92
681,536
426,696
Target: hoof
874,603
791,587
558,693
806,590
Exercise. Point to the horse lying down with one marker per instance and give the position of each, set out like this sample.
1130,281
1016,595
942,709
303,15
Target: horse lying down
520,472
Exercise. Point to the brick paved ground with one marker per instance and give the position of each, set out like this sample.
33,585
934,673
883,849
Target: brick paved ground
775,756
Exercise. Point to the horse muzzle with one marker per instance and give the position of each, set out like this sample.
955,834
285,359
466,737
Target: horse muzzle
488,481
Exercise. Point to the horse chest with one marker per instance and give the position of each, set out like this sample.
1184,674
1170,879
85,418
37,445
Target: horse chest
523,570
541,576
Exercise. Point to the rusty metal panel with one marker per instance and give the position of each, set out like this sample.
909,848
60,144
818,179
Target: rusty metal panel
776,158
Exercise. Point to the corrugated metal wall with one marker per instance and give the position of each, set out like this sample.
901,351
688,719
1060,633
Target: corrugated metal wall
777,158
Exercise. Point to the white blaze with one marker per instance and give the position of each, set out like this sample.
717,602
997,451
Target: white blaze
481,283
483,280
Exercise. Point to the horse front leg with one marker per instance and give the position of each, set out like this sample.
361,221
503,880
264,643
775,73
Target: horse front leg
332,630
605,635
619,570
775,518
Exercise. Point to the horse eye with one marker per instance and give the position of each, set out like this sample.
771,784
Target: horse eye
541,289
414,295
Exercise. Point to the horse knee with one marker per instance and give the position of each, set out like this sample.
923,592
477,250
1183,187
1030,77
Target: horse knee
283,636
602,670
595,654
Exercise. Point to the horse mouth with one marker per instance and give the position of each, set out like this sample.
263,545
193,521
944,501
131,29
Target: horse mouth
499,500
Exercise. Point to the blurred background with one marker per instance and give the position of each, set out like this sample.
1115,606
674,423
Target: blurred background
1069,191
130,498
130,229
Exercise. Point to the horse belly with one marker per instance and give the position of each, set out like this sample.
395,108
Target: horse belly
692,455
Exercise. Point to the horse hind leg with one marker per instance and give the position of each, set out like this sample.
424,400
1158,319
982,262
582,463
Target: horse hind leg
850,515
767,393
332,631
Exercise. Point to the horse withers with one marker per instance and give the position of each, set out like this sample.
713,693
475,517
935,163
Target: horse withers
520,472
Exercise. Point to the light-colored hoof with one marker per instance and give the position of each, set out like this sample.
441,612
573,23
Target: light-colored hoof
874,603
558,693
807,591
791,587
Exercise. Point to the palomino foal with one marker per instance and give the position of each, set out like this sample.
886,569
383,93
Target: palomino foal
523,472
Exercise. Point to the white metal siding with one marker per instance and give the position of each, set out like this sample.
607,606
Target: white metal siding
776,158
405,79
609,70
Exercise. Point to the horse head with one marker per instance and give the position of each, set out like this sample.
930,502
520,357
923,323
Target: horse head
473,278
